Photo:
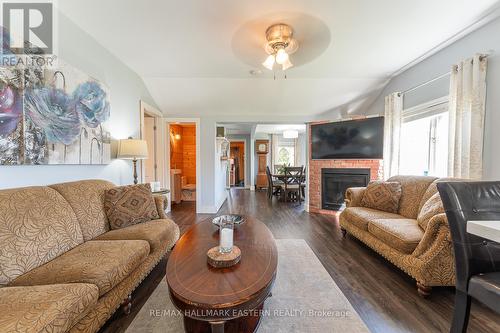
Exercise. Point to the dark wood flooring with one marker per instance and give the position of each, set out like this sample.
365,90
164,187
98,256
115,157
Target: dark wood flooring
385,298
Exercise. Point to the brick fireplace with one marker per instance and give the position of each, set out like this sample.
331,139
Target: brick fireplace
315,166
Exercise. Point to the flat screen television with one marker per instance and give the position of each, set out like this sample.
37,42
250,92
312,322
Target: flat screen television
352,139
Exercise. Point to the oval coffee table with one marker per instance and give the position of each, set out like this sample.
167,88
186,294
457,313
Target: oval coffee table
222,299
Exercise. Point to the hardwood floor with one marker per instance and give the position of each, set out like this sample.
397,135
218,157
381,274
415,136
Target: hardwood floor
385,298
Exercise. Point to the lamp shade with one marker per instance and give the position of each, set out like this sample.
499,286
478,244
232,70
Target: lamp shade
133,149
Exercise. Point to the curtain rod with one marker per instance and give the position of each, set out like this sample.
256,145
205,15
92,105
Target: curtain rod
435,79
425,83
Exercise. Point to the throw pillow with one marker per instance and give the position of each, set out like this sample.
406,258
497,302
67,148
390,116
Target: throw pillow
431,207
128,205
382,195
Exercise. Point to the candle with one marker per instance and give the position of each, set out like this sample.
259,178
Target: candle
226,240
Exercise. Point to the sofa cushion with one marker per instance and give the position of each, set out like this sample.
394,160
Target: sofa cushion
412,191
156,232
86,197
382,196
129,205
36,226
361,216
432,206
51,308
400,234
103,263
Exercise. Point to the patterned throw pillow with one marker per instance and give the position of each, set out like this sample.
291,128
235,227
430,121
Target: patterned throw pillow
382,195
128,205
431,207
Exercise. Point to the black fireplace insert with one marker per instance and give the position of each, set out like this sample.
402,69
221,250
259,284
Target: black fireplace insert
335,181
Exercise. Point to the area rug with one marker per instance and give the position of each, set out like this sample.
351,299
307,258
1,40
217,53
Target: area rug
305,299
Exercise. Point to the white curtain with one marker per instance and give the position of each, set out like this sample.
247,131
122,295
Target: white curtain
392,133
300,150
467,110
274,151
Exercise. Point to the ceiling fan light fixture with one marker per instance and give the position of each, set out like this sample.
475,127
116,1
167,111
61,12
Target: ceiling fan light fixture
287,64
269,62
280,44
281,56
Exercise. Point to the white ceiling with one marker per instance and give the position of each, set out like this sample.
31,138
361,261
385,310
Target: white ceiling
195,55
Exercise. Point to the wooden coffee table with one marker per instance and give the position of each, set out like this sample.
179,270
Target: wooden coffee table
222,299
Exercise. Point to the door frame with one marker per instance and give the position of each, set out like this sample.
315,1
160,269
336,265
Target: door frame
245,175
166,125
147,109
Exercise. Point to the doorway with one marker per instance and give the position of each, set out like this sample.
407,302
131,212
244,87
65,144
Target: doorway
183,153
237,160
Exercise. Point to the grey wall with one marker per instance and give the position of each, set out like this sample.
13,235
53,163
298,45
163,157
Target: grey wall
79,49
482,40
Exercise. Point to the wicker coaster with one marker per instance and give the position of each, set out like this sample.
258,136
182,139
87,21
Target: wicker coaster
223,260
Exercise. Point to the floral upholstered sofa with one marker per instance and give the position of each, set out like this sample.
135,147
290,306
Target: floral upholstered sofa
61,267
416,239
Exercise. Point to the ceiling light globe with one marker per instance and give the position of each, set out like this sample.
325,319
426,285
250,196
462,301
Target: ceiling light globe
269,62
281,56
287,64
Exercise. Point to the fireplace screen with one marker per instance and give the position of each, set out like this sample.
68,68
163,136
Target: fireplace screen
335,181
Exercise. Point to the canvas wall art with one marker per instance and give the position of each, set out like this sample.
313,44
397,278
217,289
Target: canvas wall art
53,116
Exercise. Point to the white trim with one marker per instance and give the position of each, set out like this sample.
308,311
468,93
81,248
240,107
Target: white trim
145,108
426,109
199,184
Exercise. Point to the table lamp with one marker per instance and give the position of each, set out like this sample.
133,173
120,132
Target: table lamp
133,149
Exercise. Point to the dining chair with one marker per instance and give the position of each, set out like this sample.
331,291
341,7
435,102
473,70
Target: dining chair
277,168
303,182
293,179
477,259
274,186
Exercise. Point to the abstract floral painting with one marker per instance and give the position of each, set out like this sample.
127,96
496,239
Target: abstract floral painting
52,116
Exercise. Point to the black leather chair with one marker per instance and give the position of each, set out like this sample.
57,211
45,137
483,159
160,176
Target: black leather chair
477,260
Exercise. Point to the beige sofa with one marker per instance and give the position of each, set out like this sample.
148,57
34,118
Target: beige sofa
422,250
61,267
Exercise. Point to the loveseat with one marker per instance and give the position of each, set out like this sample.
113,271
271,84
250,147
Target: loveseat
416,239
61,267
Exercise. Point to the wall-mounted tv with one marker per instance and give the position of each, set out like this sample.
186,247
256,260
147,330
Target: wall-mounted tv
352,139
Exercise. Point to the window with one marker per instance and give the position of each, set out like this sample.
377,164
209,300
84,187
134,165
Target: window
424,140
286,155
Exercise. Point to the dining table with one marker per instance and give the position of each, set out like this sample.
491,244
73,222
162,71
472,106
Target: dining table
486,229
279,176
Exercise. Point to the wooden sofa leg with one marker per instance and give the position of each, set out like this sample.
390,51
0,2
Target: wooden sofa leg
423,291
344,232
127,305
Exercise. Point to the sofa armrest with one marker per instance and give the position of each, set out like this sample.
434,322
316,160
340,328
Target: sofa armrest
161,202
435,254
436,235
353,196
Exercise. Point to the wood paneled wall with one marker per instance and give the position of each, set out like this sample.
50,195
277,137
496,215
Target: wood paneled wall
176,148
183,151
189,153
